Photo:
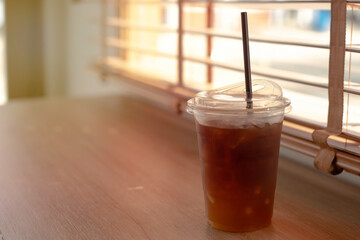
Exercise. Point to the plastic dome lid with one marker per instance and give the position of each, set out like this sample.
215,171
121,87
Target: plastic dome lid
267,97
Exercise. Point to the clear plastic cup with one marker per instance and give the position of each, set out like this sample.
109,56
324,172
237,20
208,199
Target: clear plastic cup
239,149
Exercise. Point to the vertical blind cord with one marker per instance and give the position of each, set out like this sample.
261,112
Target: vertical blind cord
325,160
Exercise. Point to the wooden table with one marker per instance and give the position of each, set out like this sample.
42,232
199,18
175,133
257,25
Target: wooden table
119,168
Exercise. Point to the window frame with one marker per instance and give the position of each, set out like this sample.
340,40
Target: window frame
332,149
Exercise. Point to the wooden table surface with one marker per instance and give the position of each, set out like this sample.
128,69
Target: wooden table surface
117,168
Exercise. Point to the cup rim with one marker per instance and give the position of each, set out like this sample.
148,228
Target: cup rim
232,99
192,108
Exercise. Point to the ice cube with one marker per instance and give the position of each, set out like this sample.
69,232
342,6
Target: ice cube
257,190
211,199
248,210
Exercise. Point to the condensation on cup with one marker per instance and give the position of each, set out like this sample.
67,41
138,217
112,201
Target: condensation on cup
239,150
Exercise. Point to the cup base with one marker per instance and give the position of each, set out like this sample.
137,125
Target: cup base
238,229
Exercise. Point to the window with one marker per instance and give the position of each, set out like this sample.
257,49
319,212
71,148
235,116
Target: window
189,45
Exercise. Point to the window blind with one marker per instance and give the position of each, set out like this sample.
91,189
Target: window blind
129,27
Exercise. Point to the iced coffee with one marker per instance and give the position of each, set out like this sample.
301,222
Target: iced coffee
239,150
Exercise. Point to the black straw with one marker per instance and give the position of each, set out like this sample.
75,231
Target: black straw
245,37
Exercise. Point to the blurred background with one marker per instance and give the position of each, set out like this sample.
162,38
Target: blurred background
49,48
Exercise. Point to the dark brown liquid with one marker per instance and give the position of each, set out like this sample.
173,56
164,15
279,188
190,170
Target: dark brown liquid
239,175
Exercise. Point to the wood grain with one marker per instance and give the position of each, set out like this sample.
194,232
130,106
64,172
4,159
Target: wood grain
119,168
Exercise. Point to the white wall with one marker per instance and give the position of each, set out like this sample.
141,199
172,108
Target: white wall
24,48
72,33
55,46
3,90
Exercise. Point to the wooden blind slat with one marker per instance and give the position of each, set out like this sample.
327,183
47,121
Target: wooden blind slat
147,27
261,39
355,50
138,48
266,5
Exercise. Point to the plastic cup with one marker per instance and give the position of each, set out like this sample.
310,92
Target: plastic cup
239,151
